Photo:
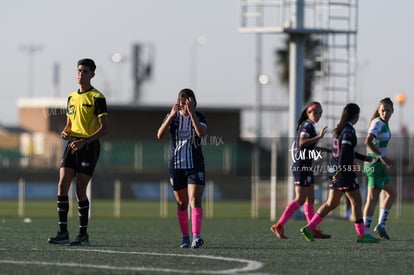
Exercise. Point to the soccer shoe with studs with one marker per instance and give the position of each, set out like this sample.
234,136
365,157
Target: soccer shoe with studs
81,240
278,230
318,234
307,233
60,238
380,231
368,238
185,242
197,242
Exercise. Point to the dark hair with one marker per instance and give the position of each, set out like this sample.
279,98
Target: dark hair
386,100
88,63
350,112
186,93
304,114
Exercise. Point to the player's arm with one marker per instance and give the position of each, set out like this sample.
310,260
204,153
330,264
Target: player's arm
199,127
370,144
323,149
102,130
65,134
101,112
363,157
166,123
305,141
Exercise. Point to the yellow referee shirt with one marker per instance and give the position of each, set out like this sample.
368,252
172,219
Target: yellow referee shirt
83,110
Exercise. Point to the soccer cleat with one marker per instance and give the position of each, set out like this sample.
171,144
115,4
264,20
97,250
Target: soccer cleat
368,238
61,238
81,240
380,231
278,230
371,236
307,233
318,234
197,242
185,243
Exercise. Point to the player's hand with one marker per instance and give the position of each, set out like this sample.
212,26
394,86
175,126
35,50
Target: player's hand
174,109
190,104
336,177
64,135
323,132
77,144
386,162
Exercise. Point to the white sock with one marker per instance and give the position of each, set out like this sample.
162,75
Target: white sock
383,216
367,224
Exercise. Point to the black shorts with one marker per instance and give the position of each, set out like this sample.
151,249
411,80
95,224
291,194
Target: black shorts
82,161
180,178
346,183
303,179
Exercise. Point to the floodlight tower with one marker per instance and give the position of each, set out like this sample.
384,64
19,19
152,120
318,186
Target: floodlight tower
335,22
31,51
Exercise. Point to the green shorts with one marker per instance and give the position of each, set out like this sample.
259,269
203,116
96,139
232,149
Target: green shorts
377,174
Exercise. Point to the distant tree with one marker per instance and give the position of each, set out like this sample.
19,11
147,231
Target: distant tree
312,64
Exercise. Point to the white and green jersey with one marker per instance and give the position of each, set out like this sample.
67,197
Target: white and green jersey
382,135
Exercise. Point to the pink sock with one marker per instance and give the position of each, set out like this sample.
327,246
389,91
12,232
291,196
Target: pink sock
309,211
197,220
360,229
289,211
315,221
183,221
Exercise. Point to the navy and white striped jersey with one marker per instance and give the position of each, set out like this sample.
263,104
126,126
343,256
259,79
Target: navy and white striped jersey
185,146
303,164
343,157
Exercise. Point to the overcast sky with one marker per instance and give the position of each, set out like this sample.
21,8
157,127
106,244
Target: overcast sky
224,66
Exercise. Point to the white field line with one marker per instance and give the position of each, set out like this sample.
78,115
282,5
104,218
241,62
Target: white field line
250,265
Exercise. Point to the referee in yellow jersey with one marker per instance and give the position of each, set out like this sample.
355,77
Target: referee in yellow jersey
86,123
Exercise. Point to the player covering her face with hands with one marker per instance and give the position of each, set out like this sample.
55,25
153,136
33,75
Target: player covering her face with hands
186,168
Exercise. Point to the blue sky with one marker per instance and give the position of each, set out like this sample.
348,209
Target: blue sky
69,30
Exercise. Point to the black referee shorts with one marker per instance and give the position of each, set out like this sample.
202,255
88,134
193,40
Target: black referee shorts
82,161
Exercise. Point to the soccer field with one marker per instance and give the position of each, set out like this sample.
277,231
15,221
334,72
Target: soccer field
147,245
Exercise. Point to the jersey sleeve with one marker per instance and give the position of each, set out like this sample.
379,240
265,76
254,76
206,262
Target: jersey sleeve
374,127
307,129
202,119
67,106
100,107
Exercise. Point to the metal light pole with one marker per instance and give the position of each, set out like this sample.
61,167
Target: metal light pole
199,41
118,59
400,98
31,50
296,75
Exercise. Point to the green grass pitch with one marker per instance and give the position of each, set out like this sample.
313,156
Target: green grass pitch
137,243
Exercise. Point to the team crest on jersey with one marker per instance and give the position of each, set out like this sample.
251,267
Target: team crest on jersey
71,109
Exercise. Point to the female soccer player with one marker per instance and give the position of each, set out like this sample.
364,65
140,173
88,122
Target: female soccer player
305,142
377,139
342,173
186,162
